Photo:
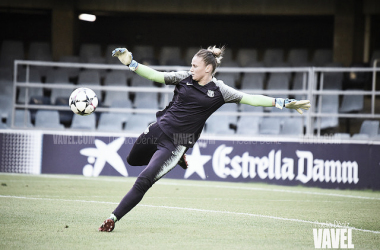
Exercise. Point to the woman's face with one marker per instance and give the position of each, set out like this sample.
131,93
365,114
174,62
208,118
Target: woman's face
199,70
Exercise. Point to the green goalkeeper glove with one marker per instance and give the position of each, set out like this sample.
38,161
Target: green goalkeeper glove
292,104
125,58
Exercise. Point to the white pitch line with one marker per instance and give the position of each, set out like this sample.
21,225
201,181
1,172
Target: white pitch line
205,185
205,211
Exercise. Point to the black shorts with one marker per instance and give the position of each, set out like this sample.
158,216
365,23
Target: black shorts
156,150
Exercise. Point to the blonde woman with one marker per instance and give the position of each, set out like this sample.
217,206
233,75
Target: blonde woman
197,96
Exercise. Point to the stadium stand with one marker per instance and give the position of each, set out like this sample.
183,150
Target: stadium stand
111,122
298,57
137,122
270,126
168,54
352,103
87,51
84,122
330,105
22,119
146,100
11,50
322,57
272,56
248,125
89,77
252,81
246,56
71,72
218,124
48,119
34,77
143,52
368,130
292,126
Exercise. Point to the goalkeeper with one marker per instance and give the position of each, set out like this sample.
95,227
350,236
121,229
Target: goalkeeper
197,95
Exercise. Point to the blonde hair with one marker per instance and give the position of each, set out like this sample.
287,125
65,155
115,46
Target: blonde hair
212,55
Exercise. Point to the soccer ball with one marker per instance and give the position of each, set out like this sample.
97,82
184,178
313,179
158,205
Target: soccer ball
83,101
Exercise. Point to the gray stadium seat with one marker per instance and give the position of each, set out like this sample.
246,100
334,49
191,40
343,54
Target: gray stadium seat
146,100
333,80
137,123
59,75
270,126
298,57
138,81
278,81
272,56
143,52
300,83
375,55
22,119
89,77
169,53
84,122
231,64
11,50
57,93
111,96
98,60
369,128
228,78
72,72
115,78
34,77
111,122
5,106
363,137
218,124
245,56
248,125
330,104
48,119
344,136
6,81
89,50
352,103
253,81
230,107
190,53
292,126
322,57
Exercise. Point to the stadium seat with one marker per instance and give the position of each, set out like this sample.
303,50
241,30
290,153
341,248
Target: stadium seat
137,123
65,93
270,126
143,52
34,77
231,64
115,78
22,119
246,56
375,55
190,53
229,107
227,78
98,60
111,96
253,81
59,75
89,50
10,51
89,77
227,56
169,53
292,126
363,137
352,103
298,57
369,128
248,125
72,72
278,81
84,122
40,51
322,57
146,100
165,99
65,117
111,122
330,105
6,81
300,83
272,56
5,106
333,80
48,119
38,100
218,124
138,81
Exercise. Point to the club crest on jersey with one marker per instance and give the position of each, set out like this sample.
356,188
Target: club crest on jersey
210,93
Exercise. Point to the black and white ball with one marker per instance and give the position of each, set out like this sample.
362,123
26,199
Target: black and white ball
83,101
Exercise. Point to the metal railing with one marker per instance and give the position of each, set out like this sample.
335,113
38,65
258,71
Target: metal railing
310,83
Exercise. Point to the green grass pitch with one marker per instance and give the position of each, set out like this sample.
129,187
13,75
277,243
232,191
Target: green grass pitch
64,212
